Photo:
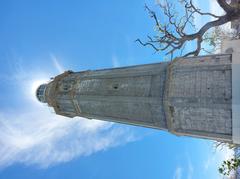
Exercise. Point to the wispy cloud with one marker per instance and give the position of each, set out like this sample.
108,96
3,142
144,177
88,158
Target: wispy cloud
198,19
115,61
45,139
178,173
190,168
56,63
187,167
35,135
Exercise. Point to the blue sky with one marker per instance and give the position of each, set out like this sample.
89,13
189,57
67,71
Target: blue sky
40,39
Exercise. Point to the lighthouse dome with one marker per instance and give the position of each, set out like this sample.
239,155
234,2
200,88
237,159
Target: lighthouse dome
40,93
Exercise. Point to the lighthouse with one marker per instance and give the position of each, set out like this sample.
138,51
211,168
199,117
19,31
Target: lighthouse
187,96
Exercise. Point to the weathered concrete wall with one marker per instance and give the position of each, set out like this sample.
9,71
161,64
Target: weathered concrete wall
132,95
199,97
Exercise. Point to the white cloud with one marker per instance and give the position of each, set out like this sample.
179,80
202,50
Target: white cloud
56,63
215,8
190,168
178,173
115,61
36,135
42,138
217,156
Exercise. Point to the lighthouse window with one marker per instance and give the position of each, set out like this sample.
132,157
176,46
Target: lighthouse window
66,87
115,86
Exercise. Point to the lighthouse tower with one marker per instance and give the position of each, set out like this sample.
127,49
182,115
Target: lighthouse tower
188,96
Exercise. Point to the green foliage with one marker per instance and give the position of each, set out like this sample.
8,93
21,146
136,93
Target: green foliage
229,165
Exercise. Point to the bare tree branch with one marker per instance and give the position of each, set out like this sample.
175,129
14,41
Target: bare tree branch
147,43
172,36
225,6
192,6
